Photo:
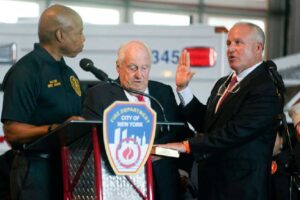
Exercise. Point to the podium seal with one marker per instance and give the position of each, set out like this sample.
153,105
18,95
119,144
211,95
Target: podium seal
128,132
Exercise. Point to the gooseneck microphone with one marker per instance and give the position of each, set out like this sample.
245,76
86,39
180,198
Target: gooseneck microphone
88,65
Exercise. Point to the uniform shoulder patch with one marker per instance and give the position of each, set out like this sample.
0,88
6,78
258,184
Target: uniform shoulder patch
75,85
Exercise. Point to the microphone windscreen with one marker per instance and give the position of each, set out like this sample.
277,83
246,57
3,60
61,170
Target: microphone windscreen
86,64
270,63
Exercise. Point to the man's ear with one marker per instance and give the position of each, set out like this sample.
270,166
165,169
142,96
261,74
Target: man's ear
59,35
260,47
117,66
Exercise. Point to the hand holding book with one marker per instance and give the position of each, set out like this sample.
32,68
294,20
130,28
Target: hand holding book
169,149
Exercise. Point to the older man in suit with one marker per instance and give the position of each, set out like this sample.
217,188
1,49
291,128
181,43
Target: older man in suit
133,66
238,124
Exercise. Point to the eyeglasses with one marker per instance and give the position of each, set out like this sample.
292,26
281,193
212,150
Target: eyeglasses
223,87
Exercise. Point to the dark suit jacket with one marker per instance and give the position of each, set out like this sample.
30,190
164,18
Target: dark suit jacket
235,151
166,175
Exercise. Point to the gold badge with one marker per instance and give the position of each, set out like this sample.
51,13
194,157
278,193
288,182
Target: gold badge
75,85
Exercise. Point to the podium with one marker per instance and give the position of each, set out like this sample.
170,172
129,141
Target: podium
85,168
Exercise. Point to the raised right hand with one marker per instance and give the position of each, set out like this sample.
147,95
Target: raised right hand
183,71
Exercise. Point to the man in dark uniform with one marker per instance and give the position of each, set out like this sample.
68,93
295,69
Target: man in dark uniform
40,92
133,66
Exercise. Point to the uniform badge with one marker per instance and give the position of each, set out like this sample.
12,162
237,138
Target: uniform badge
54,83
75,85
128,132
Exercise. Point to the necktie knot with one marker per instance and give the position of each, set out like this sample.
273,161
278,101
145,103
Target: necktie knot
233,81
140,98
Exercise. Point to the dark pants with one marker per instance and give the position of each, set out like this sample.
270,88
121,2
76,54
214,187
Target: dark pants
36,177
166,180
5,165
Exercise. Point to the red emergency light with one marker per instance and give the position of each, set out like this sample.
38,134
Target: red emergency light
202,56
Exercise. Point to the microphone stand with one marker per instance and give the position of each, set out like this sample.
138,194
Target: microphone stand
276,78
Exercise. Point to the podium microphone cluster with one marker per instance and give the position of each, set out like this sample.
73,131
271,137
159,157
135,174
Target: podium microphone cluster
88,65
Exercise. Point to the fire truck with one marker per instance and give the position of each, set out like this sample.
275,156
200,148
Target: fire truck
207,47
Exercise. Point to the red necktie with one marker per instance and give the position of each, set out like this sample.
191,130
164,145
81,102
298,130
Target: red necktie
140,98
233,81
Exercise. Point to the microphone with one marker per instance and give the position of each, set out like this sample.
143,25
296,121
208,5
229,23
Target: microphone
88,65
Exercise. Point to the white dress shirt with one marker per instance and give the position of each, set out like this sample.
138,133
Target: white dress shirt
133,98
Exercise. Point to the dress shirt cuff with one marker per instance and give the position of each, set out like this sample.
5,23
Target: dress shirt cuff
185,96
187,146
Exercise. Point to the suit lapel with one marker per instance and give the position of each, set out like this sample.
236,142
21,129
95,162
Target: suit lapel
211,116
118,93
210,113
154,92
